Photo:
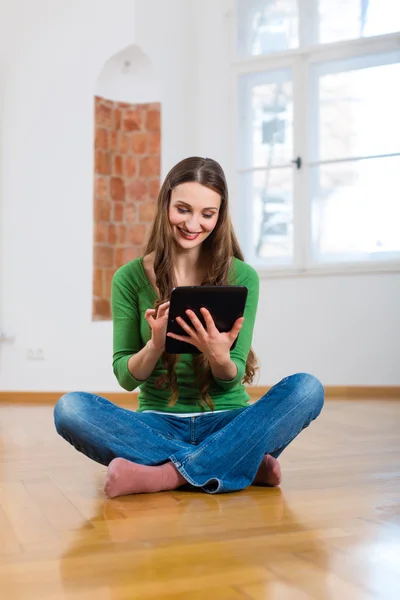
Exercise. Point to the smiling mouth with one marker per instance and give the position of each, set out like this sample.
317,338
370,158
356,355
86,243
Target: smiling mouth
187,234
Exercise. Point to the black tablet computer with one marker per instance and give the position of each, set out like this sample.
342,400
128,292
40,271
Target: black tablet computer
226,303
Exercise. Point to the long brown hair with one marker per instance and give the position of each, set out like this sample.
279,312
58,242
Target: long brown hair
217,252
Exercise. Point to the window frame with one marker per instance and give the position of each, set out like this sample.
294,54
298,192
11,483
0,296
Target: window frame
301,61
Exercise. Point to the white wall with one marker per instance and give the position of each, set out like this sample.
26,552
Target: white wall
164,29
129,76
344,329
51,54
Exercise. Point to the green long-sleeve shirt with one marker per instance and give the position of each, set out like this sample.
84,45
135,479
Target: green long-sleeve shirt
132,295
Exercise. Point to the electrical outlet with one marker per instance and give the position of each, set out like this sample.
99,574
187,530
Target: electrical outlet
35,354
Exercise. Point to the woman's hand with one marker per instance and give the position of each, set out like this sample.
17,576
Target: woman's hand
214,344
158,325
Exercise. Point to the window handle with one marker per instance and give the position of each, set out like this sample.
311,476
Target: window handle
297,161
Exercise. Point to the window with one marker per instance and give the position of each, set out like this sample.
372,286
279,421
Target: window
318,156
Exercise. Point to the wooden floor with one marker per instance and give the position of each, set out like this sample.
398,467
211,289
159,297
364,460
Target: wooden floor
331,532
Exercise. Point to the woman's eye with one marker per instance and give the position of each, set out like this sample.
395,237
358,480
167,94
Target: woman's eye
182,211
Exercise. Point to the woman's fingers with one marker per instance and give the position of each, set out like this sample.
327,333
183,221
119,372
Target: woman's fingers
184,325
196,321
163,310
237,326
148,314
182,338
210,325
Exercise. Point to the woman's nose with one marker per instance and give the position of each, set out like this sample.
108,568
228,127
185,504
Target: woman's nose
193,224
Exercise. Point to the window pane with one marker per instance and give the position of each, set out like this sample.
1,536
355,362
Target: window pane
265,26
349,19
356,208
359,112
266,119
267,214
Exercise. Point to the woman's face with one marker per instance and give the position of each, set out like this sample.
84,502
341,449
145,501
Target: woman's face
193,213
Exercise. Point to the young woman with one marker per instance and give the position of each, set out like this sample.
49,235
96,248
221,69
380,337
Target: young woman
194,424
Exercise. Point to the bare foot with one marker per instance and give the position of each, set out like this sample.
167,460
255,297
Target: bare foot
269,472
125,477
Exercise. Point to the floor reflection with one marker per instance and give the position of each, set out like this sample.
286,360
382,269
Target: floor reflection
148,542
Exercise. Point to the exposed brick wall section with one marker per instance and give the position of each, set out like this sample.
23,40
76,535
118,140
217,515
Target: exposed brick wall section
126,184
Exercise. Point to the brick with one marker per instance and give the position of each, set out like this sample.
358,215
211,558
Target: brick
130,213
137,234
130,166
133,120
102,209
101,309
102,162
103,115
121,234
149,166
117,165
101,139
107,281
103,256
117,119
139,142
153,120
146,211
123,105
112,234
119,257
97,282
153,142
100,232
100,187
154,188
118,212
123,145
113,141
117,189
131,253
137,190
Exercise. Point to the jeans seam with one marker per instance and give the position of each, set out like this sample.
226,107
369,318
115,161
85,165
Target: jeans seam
192,430
212,439
179,466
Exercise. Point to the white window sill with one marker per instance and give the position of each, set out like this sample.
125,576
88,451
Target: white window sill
279,271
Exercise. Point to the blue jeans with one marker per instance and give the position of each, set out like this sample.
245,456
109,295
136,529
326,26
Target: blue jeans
218,452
